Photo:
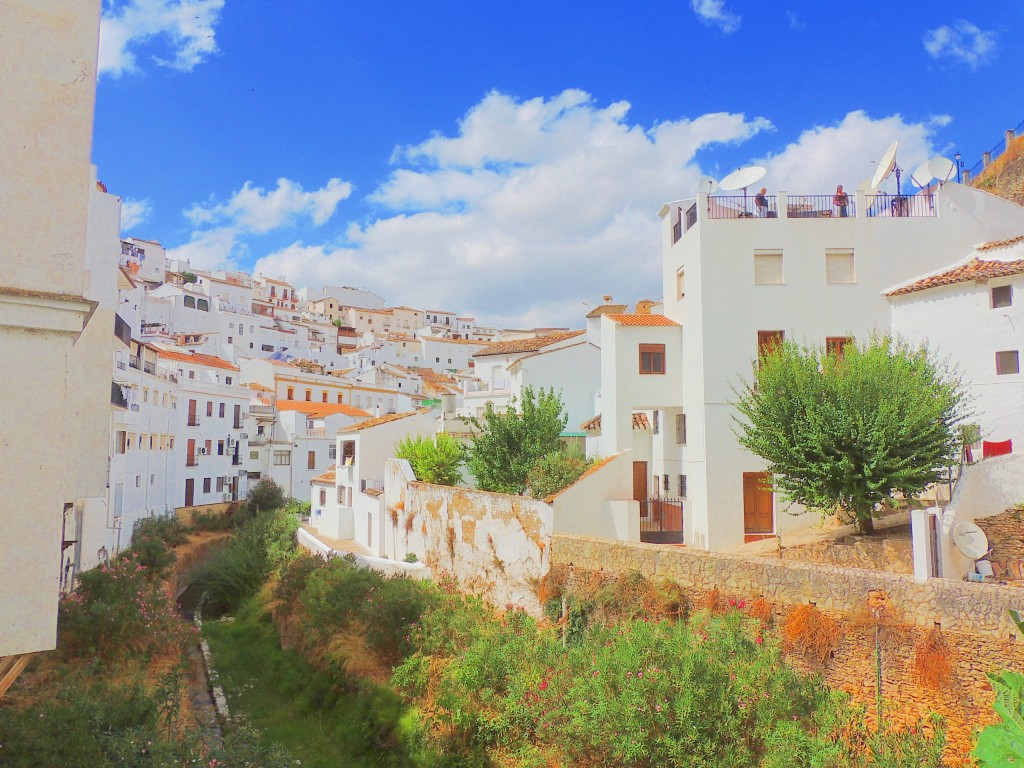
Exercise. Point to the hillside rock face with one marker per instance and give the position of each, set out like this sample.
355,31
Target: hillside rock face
1005,175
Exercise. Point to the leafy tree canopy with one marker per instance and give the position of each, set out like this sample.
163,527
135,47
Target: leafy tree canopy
844,433
556,471
509,444
438,460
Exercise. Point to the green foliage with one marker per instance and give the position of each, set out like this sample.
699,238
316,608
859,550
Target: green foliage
238,569
510,444
264,497
189,277
119,610
298,507
846,434
1002,743
152,540
556,471
210,521
438,460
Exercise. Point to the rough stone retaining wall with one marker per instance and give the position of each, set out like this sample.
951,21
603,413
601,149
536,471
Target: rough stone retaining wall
974,622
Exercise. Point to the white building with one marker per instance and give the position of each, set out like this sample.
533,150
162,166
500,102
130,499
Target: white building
211,421
55,331
355,509
736,284
971,313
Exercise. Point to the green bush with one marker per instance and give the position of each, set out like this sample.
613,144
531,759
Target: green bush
265,496
210,521
152,540
438,460
556,471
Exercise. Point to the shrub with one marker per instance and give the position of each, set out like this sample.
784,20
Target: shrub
152,541
210,521
1000,744
438,460
556,471
932,659
811,631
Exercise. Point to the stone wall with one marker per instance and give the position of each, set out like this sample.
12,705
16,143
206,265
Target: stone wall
975,625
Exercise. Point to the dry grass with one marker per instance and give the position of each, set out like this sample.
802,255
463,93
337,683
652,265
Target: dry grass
713,601
933,659
879,613
349,650
811,632
761,610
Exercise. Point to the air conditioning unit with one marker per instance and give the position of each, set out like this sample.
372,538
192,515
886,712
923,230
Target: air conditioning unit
227,496
243,436
231,443
202,450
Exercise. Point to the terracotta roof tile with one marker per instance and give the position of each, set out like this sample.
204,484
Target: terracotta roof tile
320,410
970,271
526,345
608,309
994,244
327,477
377,421
650,320
197,359
258,387
640,421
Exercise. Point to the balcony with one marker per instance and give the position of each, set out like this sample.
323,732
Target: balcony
262,410
786,206
321,432
193,421
371,485
236,460
494,385
149,367
133,361
117,397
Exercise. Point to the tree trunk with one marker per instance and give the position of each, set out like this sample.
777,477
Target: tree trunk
866,524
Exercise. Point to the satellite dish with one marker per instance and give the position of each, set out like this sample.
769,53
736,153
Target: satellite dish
707,185
922,175
743,178
970,540
941,168
885,165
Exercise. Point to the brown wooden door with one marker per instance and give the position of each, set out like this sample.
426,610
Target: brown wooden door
192,413
190,453
639,480
757,503
190,491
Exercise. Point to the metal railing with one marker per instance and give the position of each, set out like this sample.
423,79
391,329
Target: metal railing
371,485
133,361
661,521
193,421
149,367
819,207
740,207
493,385
901,206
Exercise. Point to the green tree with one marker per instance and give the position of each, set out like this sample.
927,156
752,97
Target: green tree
509,444
556,471
438,460
189,277
845,432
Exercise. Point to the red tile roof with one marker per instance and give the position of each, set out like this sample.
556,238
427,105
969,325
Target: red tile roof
197,359
378,421
640,421
327,477
608,309
526,345
650,320
975,270
994,244
320,410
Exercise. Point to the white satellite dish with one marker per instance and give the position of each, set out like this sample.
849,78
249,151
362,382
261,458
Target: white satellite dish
941,168
743,178
707,185
885,165
970,540
922,175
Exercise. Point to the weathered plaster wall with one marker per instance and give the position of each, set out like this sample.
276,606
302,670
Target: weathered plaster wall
492,544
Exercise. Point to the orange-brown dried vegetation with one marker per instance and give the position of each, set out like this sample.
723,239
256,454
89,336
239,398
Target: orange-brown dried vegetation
808,630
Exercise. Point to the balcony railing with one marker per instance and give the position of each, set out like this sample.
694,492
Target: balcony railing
193,421
191,461
236,460
259,439
819,207
321,432
149,367
133,361
371,485
740,207
261,410
661,521
901,206
494,385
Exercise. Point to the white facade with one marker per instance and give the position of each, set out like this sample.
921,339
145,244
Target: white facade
727,280
974,319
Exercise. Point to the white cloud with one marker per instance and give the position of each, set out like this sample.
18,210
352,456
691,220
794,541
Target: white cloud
211,249
134,212
714,14
825,156
963,41
530,208
254,209
794,21
186,27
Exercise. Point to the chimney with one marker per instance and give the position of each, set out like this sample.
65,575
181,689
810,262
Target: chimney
607,299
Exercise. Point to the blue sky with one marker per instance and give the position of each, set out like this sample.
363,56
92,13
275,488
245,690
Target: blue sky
508,160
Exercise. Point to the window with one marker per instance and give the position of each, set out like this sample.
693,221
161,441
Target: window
834,345
190,301
203,305
767,267
657,422
1007,362
339,398
138,481
282,458
220,485
323,495
665,480
839,266
311,460
682,486
207,484
291,394
768,341
209,407
324,397
1002,296
230,340
254,454
656,486
309,395
680,429
341,495
221,410
228,379
209,446
652,358
267,347
152,479
680,284
220,447
145,394
120,442
332,452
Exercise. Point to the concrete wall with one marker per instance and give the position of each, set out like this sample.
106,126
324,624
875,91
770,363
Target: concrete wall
48,68
600,504
491,543
985,488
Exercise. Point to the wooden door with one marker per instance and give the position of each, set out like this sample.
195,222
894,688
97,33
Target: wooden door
190,491
639,480
757,503
192,413
190,453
